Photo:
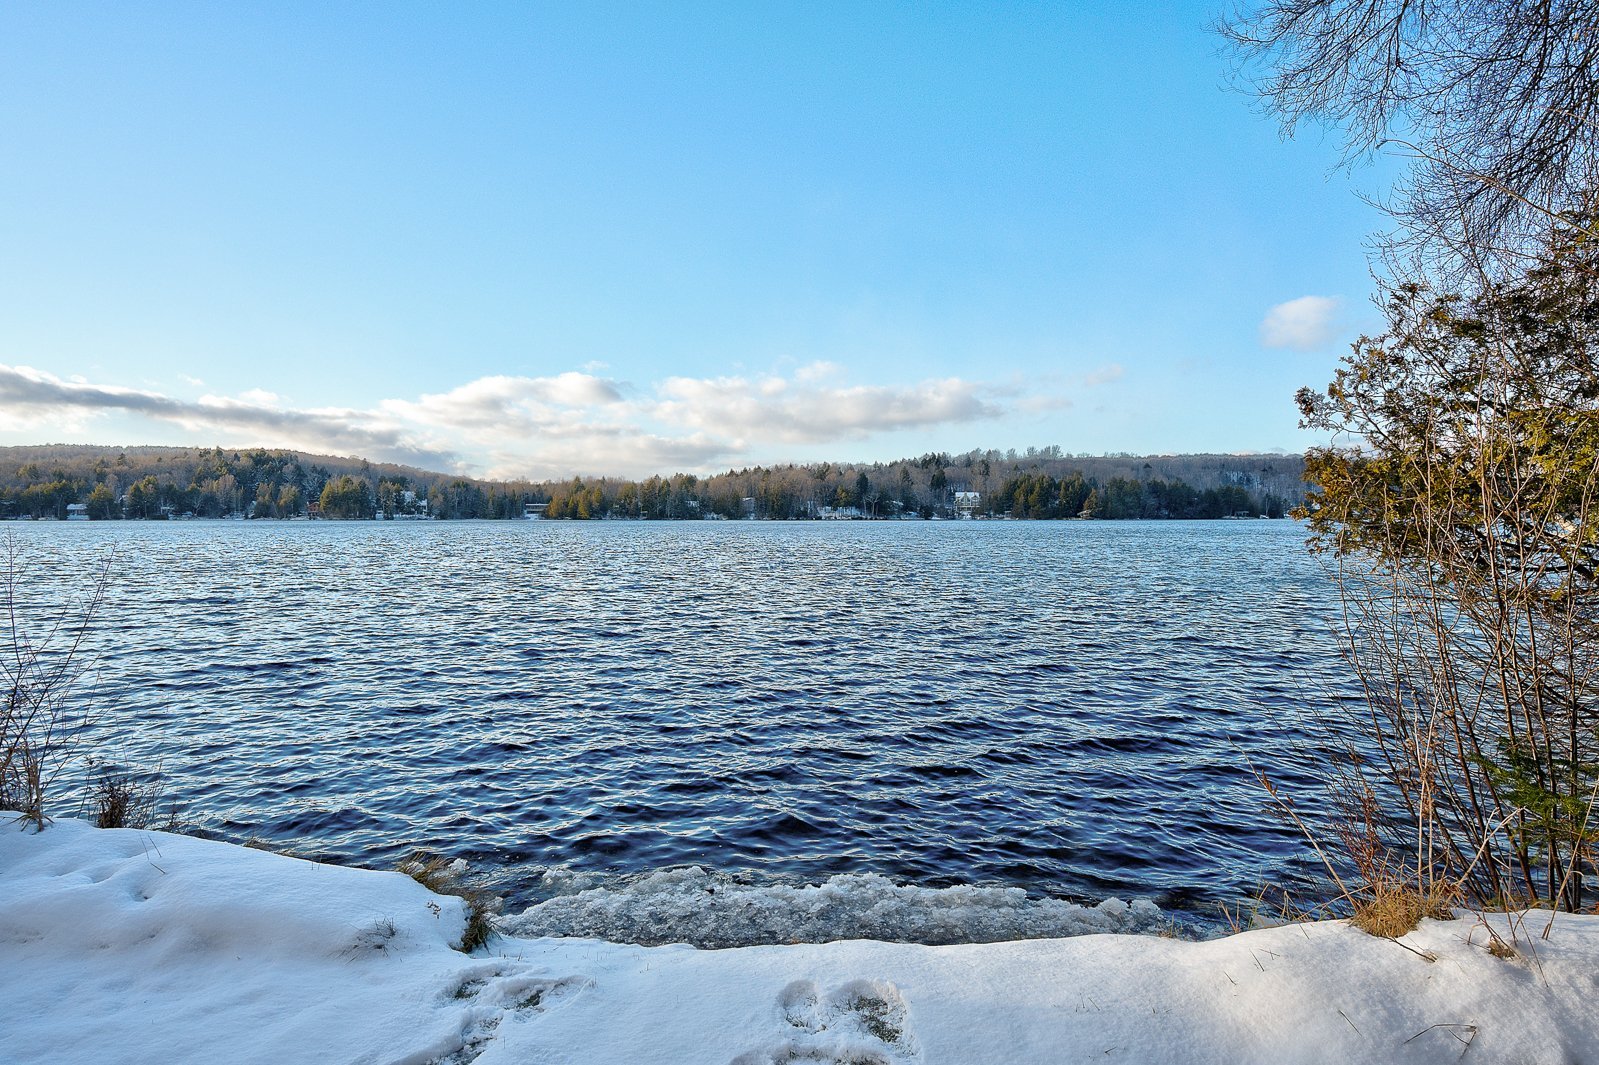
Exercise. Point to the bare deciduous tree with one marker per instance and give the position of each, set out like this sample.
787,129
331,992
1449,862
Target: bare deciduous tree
1496,101
41,661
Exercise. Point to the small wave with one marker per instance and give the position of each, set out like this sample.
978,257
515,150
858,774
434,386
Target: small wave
711,910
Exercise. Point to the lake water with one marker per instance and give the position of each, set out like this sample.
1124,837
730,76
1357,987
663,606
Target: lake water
1062,707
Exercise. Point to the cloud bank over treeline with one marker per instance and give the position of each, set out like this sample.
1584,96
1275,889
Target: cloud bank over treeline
527,427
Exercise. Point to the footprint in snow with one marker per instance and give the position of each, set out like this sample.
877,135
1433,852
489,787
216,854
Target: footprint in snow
493,994
863,1022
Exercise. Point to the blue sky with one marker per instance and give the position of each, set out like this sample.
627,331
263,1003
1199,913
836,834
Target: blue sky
539,240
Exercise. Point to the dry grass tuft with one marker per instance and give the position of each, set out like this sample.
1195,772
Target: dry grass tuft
1500,947
122,800
1392,907
1390,890
442,876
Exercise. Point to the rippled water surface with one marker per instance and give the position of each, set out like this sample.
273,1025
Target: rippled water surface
1064,707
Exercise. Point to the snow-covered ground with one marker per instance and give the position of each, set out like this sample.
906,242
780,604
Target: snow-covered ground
122,946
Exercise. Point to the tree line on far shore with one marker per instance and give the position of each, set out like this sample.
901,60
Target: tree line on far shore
175,482
154,483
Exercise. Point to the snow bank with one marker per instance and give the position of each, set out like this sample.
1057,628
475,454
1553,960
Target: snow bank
135,947
121,887
709,910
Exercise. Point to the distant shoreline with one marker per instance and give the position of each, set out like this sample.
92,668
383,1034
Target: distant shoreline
302,519
85,482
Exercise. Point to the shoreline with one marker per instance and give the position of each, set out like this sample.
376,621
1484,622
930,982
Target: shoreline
141,946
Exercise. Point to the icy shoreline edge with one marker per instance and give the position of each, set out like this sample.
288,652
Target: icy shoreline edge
703,909
140,946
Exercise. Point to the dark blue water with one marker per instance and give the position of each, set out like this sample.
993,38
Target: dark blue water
1065,707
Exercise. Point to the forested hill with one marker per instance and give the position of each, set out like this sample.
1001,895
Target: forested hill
158,482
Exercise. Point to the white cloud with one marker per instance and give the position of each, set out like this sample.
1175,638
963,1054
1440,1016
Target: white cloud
31,397
803,411
555,426
1302,324
507,403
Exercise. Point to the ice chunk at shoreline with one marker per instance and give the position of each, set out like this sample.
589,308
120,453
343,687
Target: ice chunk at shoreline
693,906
